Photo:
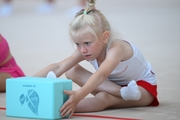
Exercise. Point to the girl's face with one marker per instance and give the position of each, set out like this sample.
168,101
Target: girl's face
89,46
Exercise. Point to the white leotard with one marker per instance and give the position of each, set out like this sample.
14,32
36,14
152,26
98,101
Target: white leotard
136,68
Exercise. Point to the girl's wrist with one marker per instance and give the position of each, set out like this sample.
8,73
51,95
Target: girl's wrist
81,93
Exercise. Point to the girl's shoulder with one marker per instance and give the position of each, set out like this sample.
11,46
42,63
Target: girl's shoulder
121,48
122,44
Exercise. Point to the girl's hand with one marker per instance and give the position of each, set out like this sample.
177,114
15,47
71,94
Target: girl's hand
70,105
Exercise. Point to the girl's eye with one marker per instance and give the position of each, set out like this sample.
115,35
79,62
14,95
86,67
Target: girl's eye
87,43
77,44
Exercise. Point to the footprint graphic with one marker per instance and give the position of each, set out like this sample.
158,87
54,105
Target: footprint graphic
22,99
32,100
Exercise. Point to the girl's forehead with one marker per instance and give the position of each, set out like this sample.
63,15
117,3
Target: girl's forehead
84,36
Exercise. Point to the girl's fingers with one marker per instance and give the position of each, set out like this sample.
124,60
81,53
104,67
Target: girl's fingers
64,106
71,113
68,102
65,111
68,113
68,92
67,108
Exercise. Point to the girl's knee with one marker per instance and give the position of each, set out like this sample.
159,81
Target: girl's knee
71,72
67,74
103,97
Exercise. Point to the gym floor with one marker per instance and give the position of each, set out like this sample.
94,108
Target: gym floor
39,39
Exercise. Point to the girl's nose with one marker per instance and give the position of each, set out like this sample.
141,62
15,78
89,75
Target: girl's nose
83,50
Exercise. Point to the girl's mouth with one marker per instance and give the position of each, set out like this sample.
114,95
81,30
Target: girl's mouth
87,56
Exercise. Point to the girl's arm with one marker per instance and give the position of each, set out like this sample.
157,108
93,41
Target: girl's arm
63,66
115,54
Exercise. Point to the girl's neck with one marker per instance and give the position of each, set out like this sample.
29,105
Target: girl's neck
102,56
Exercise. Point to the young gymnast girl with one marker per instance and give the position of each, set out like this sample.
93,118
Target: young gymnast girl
123,77
8,65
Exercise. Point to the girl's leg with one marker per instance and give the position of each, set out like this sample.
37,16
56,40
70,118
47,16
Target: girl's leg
3,77
104,100
79,75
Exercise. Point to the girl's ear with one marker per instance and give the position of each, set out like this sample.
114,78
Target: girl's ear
106,36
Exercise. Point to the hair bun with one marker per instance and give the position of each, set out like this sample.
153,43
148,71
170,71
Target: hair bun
91,2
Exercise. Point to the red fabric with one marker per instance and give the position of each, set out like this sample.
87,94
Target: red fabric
150,88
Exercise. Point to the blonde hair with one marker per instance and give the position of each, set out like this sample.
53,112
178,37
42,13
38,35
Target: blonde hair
89,20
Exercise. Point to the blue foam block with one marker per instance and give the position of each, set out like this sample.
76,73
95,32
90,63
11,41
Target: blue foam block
34,97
